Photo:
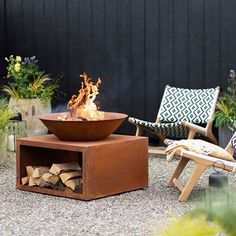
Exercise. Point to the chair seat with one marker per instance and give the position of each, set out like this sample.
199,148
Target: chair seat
172,129
202,162
183,113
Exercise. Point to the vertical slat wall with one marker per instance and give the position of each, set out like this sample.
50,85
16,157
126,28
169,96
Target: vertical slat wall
135,46
2,36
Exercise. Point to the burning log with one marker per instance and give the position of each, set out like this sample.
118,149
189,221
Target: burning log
82,106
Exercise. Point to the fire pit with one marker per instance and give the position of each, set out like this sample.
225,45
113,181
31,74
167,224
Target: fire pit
82,130
83,121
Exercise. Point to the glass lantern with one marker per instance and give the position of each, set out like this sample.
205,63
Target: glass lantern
217,194
15,130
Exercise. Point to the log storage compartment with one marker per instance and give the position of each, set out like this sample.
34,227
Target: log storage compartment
111,166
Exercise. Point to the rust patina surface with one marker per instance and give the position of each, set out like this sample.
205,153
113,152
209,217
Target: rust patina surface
76,130
111,166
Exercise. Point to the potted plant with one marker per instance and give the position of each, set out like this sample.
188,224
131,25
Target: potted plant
5,115
225,115
30,91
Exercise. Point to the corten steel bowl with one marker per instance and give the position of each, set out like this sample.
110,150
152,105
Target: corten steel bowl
83,130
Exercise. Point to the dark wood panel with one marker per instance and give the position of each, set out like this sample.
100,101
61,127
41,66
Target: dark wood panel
181,43
86,44
231,34
111,81
74,47
135,46
224,66
212,43
124,53
39,35
50,42
152,60
27,38
137,78
60,55
166,34
196,44
14,20
97,66
2,37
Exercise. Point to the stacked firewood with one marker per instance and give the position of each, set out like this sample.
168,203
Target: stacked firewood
59,176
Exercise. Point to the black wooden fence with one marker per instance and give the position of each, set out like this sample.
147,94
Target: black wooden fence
135,46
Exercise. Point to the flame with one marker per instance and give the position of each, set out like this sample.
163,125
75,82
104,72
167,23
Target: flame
82,106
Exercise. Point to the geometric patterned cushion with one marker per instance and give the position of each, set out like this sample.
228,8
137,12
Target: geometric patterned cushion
233,140
193,105
170,130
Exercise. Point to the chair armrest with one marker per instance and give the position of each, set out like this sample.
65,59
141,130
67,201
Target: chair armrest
194,127
209,160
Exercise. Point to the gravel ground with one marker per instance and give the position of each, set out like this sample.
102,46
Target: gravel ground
139,212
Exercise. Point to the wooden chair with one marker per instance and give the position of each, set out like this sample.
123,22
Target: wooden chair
202,162
183,113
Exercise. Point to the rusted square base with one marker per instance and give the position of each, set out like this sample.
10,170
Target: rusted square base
111,166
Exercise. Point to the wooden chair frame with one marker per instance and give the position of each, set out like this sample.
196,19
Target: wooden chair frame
202,162
193,129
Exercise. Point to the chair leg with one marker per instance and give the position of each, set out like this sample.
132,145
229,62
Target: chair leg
198,170
139,130
162,137
179,169
191,134
211,136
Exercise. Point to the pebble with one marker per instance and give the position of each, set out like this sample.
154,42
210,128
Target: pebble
140,212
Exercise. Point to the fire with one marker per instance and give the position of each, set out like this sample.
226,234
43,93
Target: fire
82,106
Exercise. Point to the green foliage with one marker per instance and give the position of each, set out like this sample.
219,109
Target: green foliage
5,115
225,115
27,80
225,215
227,221
194,225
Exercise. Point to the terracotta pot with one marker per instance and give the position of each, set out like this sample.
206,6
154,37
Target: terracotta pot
30,110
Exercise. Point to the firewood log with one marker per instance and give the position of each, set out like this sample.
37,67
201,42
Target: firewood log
25,180
32,181
54,179
60,186
73,184
39,171
44,184
57,169
48,180
29,170
70,175
46,176
37,180
67,189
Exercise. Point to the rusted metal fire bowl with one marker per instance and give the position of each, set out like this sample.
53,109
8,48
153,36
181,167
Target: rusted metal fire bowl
74,130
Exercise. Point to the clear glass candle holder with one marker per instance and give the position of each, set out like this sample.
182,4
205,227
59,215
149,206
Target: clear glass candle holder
15,130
